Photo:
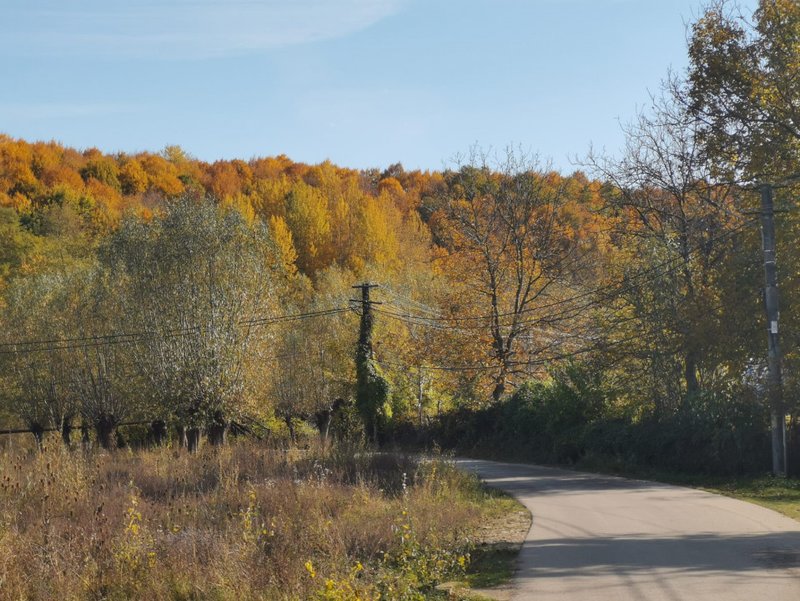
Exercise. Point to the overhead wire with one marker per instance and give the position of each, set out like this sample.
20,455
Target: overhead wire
536,362
614,290
71,343
439,322
433,319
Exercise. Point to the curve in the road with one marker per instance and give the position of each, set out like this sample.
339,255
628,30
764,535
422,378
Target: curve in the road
601,538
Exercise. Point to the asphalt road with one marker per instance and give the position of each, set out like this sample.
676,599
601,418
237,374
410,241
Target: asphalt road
598,538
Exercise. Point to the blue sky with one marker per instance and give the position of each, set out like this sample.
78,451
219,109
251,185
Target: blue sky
364,83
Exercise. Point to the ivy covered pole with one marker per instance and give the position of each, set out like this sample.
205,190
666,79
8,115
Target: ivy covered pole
372,389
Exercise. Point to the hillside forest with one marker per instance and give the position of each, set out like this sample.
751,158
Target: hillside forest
614,312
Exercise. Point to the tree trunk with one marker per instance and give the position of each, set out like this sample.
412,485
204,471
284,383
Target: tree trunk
158,432
38,434
322,420
327,430
290,426
104,427
193,439
66,432
218,430
86,442
499,388
420,397
183,439
690,373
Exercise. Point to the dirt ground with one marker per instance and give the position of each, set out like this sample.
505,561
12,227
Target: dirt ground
499,541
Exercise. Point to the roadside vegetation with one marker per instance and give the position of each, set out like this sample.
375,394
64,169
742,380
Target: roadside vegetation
714,442
241,522
579,417
782,495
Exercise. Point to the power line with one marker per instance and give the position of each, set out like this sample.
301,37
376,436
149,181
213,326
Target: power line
599,345
60,340
479,367
57,344
71,343
436,323
614,290
543,361
295,317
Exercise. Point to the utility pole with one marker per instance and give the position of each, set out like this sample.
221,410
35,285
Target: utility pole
364,356
421,396
774,377
364,350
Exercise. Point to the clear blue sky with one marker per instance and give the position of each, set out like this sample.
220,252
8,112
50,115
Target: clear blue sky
360,82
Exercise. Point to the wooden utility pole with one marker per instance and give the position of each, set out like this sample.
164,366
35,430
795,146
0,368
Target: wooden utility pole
774,377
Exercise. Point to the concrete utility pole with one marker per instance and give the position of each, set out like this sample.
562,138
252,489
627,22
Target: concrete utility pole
774,377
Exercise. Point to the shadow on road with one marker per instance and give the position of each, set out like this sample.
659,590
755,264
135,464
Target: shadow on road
553,481
559,558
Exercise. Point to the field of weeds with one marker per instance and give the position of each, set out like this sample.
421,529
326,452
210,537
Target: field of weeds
241,522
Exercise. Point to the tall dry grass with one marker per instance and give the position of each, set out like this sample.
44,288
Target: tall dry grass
241,522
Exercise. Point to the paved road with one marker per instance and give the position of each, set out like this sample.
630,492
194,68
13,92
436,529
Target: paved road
598,538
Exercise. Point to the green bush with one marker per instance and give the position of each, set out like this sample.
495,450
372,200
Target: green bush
572,417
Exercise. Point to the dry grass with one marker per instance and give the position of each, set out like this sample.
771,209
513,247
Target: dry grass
243,522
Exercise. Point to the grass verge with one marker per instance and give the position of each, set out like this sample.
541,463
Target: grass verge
496,545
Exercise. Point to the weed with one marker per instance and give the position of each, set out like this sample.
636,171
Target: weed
242,522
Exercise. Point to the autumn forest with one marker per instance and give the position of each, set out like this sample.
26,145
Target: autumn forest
614,311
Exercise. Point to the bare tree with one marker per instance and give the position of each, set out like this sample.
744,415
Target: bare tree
676,218
507,242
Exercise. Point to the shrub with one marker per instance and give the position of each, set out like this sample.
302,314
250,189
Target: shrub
572,417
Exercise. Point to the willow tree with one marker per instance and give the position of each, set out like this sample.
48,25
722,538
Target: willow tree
312,356
37,367
66,359
100,372
197,279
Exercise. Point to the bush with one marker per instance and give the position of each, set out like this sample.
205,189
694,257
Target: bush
572,418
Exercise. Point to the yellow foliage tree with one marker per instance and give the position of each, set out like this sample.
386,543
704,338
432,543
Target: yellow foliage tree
133,178
308,218
282,236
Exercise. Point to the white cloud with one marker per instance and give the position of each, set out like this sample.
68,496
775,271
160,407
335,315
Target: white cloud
180,28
